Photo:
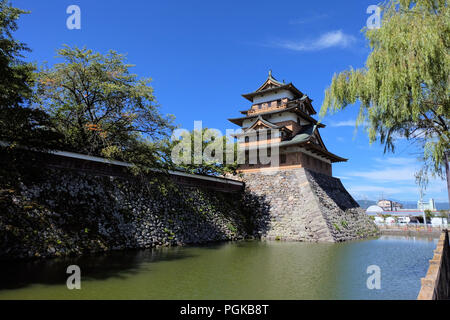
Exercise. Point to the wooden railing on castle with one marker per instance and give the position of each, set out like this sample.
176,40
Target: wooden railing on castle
436,284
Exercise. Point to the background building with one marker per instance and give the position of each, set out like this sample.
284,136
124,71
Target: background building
389,205
374,210
430,205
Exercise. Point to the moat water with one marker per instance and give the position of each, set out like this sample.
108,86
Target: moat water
235,270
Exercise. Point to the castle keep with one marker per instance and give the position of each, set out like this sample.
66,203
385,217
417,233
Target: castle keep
281,115
305,202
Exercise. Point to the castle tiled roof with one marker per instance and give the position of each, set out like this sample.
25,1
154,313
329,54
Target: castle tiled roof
304,139
294,108
289,86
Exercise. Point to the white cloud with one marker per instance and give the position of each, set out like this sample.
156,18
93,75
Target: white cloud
346,123
327,40
387,174
364,189
396,161
392,177
371,192
405,192
343,177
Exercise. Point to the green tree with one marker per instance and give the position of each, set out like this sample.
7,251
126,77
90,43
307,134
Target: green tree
444,214
203,152
403,89
428,214
16,76
101,108
19,124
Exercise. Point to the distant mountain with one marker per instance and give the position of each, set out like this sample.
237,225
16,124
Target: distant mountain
411,204
366,203
406,204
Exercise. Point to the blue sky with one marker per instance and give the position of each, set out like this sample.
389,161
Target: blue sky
202,55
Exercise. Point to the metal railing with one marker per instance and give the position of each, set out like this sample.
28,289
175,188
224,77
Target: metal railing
412,226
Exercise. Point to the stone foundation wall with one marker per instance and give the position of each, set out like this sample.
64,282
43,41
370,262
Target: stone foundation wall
303,205
64,212
436,283
57,210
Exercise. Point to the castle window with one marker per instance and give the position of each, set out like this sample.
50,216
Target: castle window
282,158
247,139
278,102
269,134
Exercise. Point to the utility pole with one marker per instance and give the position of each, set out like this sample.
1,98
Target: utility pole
421,208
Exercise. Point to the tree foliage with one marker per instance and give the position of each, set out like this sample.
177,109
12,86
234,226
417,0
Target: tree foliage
100,107
403,89
19,124
16,77
203,152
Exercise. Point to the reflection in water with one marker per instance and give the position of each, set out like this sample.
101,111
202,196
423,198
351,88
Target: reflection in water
240,270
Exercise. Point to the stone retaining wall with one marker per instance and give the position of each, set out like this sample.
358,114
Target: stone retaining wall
304,205
78,206
411,230
67,212
436,284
